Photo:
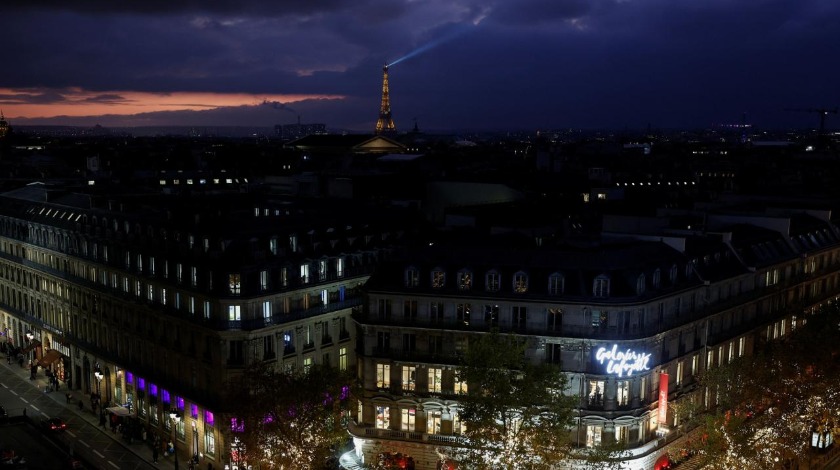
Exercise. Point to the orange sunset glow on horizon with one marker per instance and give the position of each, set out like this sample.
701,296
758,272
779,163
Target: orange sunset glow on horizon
31,103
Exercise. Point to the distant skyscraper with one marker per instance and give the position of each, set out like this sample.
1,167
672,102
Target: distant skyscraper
385,124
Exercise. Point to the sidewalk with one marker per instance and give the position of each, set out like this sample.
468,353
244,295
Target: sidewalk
142,450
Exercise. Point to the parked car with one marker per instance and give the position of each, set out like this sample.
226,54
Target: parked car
54,425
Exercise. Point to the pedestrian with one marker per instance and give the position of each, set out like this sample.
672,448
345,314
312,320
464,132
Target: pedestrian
154,454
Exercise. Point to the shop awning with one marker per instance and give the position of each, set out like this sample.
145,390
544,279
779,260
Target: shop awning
32,345
51,356
119,411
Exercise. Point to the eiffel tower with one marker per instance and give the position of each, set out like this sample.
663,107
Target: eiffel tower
385,124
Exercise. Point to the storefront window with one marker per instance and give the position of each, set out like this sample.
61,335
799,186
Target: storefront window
593,435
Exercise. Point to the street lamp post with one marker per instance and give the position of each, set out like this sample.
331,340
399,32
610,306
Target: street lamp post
175,419
98,374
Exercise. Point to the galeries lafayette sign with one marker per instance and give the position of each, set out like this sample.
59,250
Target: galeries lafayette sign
624,362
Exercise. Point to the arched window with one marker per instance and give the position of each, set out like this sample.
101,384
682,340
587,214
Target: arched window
438,278
465,279
492,281
520,282
412,277
556,284
640,284
601,286
657,275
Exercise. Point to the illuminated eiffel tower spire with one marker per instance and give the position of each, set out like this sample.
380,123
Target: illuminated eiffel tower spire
385,124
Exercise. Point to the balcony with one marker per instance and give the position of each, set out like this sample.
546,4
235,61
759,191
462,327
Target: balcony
413,436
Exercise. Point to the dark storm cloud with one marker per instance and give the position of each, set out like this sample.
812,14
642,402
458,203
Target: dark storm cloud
534,62
179,6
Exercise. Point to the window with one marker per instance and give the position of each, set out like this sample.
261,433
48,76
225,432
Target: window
435,378
409,375
520,283
458,426
435,345
656,278
596,392
272,246
462,312
438,278
407,420
339,267
771,277
679,378
304,273
263,280
206,309
266,310
384,309
412,277
601,286
194,276
460,385
235,284
179,272
293,245
520,317
307,364
383,375
234,313
643,388
492,281
436,312
433,421
556,284
322,270
409,343
622,392
383,417
464,280
672,275
491,315
383,341
410,310
555,319
342,359
640,284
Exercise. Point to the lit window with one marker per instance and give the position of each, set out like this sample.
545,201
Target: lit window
383,375
435,379
408,419
304,273
409,376
235,283
464,280
520,283
234,313
438,278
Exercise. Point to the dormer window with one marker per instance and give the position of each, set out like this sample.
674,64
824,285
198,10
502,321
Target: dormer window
493,280
464,280
438,278
556,284
520,282
601,286
689,267
412,277
673,274
656,278
640,284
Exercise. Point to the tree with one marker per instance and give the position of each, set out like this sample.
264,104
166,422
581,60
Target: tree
768,404
290,420
515,413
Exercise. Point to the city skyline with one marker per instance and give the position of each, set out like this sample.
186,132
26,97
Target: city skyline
455,65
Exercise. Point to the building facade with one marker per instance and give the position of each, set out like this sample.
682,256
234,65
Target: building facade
156,304
632,319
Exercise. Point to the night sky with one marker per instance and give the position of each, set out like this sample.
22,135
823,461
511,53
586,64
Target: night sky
504,64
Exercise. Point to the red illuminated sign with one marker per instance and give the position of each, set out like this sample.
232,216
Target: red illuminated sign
663,399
